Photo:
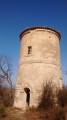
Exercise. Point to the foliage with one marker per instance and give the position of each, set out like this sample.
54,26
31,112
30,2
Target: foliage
46,100
58,114
62,96
2,111
6,97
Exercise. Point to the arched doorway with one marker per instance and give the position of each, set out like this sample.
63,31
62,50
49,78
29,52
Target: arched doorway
27,91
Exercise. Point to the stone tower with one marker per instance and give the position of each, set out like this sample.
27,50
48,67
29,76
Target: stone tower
39,63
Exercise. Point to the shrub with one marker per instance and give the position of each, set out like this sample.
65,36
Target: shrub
7,96
2,111
62,96
47,98
47,114
58,114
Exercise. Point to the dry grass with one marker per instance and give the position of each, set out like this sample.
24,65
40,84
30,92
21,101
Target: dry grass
35,114
46,111
49,114
13,114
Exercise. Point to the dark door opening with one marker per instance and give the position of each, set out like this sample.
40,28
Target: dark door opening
27,90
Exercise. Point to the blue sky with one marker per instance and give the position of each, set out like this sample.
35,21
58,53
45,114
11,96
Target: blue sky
15,15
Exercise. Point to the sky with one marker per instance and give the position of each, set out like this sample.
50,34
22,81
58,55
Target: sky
16,15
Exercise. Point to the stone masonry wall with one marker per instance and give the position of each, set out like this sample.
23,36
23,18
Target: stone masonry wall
38,67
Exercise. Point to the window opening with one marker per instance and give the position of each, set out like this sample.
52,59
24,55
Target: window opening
29,49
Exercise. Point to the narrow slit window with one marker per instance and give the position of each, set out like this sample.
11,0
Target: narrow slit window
29,49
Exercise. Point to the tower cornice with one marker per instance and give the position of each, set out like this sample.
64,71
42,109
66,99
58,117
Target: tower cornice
40,27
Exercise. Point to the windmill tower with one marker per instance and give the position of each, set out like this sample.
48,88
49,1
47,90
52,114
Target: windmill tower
39,62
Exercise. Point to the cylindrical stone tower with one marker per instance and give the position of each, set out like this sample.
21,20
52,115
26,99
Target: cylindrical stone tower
39,63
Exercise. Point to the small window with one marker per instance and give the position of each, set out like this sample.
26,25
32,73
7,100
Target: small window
29,49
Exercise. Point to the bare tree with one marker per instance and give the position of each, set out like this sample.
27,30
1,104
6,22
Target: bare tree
6,93
5,70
